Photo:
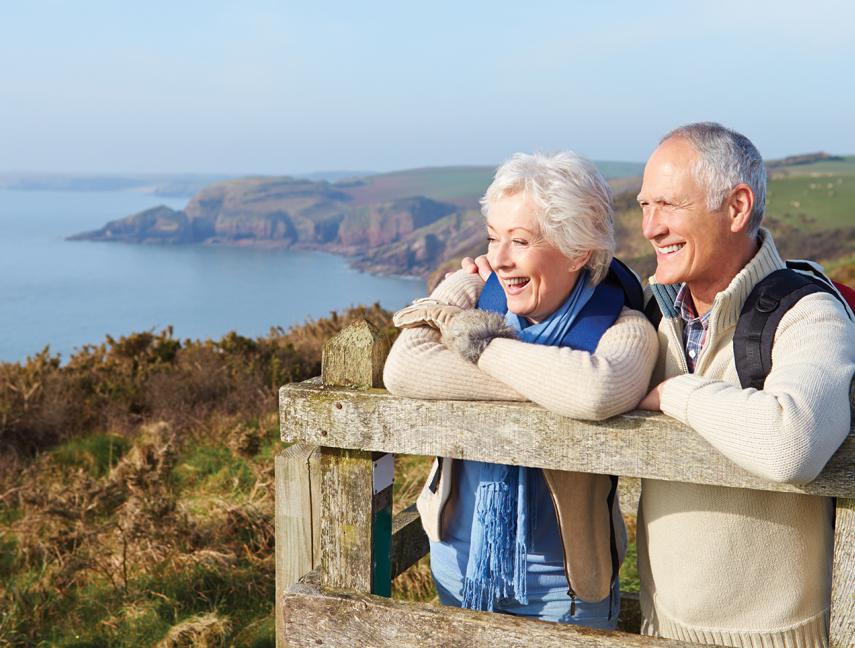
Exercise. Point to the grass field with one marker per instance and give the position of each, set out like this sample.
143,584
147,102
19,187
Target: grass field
844,166
460,185
450,184
813,202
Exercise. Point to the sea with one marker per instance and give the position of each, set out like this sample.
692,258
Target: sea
63,294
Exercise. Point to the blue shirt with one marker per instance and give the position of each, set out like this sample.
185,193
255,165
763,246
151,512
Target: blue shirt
546,581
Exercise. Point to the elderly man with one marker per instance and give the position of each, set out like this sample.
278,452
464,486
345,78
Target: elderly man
722,565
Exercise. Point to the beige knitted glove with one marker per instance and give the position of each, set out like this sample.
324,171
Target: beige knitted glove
469,333
426,312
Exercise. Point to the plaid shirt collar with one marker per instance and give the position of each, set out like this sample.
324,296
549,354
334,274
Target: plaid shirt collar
694,327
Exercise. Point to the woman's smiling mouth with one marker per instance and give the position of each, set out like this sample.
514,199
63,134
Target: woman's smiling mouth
515,285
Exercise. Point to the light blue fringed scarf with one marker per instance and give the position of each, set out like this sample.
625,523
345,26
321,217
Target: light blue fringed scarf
500,529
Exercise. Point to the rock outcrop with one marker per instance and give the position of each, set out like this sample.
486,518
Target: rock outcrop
408,235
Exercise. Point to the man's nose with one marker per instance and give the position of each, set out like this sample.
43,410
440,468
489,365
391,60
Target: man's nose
651,223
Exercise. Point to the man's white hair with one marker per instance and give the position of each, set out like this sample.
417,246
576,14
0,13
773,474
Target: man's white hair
573,200
725,159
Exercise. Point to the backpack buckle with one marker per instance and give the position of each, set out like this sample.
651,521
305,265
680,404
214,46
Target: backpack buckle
766,304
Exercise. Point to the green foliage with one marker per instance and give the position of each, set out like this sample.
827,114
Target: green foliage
813,202
258,635
8,552
96,454
629,570
214,469
9,514
152,376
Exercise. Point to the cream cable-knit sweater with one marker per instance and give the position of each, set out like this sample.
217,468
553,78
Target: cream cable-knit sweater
573,383
741,567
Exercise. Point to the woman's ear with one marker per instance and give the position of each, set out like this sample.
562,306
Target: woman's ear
579,262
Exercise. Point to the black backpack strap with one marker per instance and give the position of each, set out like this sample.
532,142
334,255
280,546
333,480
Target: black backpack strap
615,554
764,309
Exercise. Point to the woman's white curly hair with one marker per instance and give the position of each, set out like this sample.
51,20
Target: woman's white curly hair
574,203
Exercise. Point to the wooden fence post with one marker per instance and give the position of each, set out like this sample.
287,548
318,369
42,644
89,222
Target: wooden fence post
296,519
842,631
356,486
842,628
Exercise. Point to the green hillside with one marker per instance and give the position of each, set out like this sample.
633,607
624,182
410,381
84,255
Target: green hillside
814,196
813,203
461,185
840,165
454,184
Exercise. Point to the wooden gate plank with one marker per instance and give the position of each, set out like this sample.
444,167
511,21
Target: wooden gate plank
842,633
354,620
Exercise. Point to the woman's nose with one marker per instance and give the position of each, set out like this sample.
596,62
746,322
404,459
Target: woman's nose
498,255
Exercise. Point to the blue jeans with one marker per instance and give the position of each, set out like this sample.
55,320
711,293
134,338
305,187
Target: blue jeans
552,604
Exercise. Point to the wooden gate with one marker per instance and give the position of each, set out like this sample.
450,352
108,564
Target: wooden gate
338,547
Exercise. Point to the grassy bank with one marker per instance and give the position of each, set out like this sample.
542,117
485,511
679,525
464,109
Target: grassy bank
136,488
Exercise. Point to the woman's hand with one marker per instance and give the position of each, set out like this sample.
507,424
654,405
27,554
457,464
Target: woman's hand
469,332
479,266
426,312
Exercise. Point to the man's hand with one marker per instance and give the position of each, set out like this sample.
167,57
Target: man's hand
479,265
653,400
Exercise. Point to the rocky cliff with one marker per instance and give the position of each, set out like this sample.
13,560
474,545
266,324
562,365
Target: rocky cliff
402,235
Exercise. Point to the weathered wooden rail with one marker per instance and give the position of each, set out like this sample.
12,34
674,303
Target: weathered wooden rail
335,532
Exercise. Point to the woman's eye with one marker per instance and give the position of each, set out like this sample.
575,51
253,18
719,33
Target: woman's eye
491,239
520,241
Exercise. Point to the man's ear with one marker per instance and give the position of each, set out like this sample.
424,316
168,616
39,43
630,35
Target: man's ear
740,204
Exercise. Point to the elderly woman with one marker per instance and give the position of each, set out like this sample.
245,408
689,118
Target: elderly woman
552,325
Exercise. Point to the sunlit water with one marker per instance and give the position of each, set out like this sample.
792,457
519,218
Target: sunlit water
66,294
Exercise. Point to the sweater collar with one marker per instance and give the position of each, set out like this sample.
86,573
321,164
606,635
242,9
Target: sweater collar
728,303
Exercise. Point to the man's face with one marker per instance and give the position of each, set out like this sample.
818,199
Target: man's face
693,243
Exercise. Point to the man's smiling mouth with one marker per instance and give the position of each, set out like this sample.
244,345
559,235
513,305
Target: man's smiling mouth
670,249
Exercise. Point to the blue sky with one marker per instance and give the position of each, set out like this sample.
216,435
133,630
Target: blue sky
291,87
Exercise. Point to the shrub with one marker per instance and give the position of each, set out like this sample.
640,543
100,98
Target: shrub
136,487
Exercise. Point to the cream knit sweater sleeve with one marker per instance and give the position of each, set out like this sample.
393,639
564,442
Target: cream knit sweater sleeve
420,366
579,384
573,383
787,431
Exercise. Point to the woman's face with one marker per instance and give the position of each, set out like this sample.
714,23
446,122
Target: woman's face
536,276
